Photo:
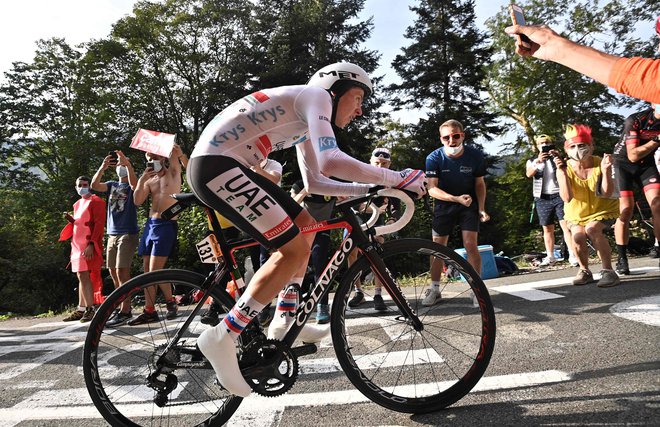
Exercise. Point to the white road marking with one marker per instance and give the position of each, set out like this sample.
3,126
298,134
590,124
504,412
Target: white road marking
253,408
644,310
530,291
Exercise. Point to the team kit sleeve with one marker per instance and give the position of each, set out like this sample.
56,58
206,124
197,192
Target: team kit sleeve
320,157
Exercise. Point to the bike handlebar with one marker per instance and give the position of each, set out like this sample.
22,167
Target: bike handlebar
399,223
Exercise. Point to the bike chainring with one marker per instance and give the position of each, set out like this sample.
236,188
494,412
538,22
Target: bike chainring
273,367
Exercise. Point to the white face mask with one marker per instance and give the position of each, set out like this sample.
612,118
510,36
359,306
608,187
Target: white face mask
157,165
83,191
578,153
657,109
452,151
122,171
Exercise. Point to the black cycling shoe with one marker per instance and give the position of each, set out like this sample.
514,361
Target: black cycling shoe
210,317
379,304
622,266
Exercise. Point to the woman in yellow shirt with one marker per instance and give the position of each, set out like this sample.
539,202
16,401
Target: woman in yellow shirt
585,185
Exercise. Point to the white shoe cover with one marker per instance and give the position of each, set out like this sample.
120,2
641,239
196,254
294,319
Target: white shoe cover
221,353
309,333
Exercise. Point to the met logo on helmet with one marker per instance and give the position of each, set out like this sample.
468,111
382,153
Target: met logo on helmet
339,74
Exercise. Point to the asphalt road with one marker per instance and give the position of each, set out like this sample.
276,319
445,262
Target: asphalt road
565,355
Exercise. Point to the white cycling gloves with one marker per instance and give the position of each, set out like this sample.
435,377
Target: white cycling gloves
413,180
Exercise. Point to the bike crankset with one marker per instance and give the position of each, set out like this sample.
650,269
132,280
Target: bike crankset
272,367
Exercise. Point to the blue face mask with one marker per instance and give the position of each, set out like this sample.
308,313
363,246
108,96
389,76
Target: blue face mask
82,191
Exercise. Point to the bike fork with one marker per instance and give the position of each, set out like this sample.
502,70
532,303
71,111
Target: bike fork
382,273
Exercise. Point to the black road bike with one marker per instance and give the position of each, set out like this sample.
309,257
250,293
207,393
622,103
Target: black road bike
409,358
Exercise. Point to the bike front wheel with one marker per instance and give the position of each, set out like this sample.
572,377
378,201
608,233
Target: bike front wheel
136,376
396,365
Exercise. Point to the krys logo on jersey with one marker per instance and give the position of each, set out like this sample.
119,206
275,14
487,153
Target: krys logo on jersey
251,201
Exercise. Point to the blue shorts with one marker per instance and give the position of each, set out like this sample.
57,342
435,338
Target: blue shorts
549,207
158,238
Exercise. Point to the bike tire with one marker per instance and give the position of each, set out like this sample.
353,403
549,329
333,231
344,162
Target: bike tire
117,361
406,370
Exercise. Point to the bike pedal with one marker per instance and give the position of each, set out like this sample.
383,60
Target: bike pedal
304,350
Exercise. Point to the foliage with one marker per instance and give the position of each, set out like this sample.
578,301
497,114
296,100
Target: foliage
542,97
442,71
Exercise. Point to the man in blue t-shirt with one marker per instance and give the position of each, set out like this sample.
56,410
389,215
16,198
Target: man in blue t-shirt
455,175
122,227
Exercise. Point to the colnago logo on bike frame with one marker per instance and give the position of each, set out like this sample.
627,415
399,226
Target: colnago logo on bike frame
324,281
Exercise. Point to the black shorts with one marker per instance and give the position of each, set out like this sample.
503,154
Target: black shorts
446,216
627,174
549,207
250,201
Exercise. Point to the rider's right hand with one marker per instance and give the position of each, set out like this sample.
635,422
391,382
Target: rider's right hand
413,180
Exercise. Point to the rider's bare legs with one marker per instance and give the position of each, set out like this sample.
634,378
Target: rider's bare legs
218,343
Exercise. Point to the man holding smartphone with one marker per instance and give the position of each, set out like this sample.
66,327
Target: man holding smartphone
549,204
160,180
122,226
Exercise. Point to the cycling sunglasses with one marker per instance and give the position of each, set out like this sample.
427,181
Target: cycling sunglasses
382,155
452,136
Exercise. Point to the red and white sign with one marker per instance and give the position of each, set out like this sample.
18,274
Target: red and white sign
154,142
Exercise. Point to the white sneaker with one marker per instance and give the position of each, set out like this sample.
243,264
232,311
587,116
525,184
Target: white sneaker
573,261
547,261
221,353
431,296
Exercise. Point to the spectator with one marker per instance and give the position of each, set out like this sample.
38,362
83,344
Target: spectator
634,162
390,211
122,224
636,77
584,186
456,179
549,204
320,207
161,178
86,231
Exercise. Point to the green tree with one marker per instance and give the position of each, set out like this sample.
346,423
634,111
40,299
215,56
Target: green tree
442,72
541,97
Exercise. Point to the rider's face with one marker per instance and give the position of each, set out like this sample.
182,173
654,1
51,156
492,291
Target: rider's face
349,107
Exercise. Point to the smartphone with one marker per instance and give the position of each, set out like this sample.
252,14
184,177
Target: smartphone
150,165
547,148
114,156
518,18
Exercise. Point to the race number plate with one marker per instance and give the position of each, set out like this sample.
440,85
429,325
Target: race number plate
209,250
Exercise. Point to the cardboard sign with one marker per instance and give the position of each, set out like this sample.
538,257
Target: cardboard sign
154,142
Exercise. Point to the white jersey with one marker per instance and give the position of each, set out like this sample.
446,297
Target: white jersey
283,117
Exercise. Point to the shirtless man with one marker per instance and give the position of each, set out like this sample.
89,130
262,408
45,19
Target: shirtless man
161,178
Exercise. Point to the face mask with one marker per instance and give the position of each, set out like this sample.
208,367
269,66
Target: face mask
657,109
578,153
83,191
157,165
452,151
122,171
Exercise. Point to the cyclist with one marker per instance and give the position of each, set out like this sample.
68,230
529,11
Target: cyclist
219,173
634,162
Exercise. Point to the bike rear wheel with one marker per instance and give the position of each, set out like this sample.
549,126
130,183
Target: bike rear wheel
119,361
410,370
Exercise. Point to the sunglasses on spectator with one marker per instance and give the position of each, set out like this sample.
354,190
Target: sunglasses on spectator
382,155
452,136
